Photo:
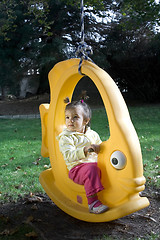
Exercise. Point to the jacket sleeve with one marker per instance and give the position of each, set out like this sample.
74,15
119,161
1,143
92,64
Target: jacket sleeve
70,152
95,138
98,140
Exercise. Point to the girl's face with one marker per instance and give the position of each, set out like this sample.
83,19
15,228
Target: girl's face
74,120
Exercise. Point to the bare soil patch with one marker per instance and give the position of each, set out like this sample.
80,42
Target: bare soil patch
48,222
24,106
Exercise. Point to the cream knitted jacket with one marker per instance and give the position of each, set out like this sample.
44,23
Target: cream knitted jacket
71,145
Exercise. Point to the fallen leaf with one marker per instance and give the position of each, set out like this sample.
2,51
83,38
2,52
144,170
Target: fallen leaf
35,163
9,232
4,165
31,194
46,166
150,149
31,234
157,158
38,220
34,207
4,232
13,231
33,199
29,219
4,219
18,167
19,186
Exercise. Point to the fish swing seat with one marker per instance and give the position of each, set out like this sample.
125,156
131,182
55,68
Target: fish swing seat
120,158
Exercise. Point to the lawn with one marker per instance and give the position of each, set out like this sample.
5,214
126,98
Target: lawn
20,144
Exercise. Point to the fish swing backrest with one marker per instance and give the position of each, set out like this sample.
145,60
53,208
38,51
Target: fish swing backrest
120,158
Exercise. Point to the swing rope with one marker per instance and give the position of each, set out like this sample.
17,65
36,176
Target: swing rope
83,50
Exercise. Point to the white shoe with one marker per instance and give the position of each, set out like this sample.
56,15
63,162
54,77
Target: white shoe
100,209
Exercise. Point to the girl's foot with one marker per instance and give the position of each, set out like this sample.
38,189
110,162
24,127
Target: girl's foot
100,209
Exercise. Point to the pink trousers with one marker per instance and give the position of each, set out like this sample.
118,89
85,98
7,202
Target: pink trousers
87,174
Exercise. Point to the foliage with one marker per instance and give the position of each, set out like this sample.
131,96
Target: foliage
32,36
19,39
130,46
139,12
135,64
36,34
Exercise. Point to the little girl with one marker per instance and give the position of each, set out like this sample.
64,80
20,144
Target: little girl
80,146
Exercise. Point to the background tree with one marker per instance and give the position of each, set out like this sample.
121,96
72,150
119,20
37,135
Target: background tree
38,33
19,39
33,34
131,46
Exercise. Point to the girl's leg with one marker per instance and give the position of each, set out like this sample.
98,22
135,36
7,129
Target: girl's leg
87,174
93,199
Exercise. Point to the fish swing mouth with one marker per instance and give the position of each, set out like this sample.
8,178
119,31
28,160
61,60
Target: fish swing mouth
133,185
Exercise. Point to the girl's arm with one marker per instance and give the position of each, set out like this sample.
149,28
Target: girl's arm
95,146
70,152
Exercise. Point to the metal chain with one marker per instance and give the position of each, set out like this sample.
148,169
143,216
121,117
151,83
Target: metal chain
83,49
82,22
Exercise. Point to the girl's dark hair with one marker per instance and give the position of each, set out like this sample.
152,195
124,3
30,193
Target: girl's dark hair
81,102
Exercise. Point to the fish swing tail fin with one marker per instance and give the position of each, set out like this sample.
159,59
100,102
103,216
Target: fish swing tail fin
44,108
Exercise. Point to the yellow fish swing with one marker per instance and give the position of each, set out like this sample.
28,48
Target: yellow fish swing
120,159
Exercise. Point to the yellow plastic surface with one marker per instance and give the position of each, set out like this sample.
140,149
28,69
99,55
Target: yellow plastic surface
122,187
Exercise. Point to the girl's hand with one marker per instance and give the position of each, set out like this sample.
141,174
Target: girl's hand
92,148
96,148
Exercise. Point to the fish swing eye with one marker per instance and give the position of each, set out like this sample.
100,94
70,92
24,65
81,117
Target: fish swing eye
118,160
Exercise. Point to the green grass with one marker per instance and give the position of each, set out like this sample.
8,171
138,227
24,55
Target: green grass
20,162
20,144
146,120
